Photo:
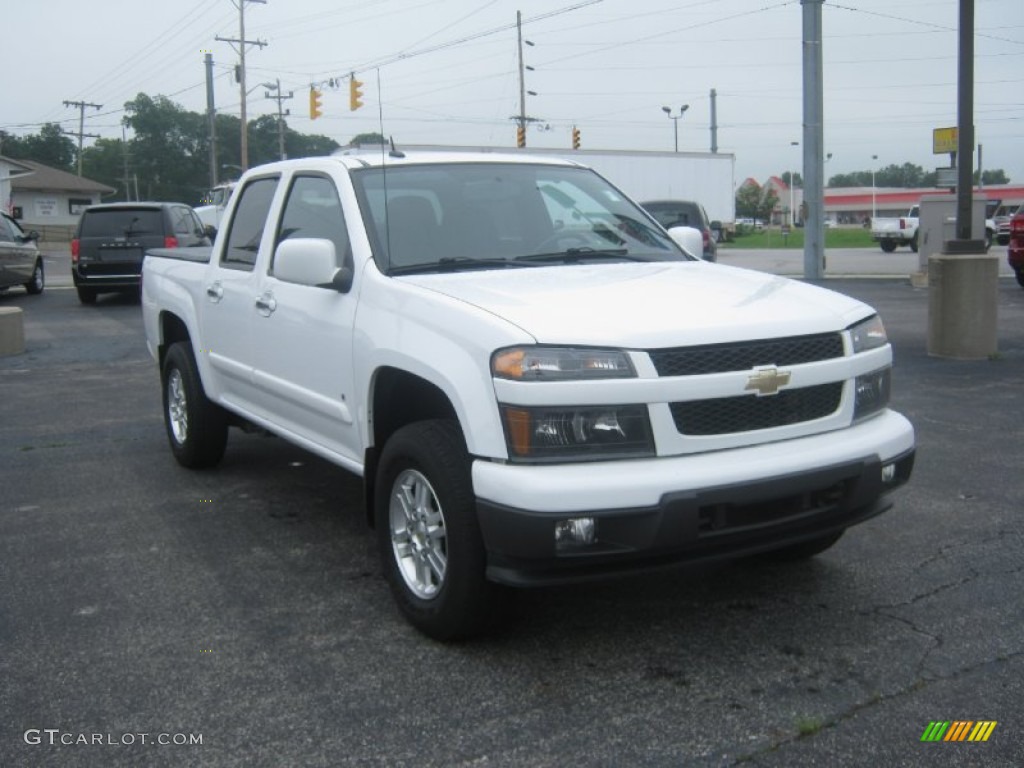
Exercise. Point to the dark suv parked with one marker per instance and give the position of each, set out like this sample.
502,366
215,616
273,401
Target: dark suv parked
684,213
106,254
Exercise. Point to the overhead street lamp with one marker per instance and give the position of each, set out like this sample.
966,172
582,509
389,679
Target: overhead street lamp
792,183
675,120
873,212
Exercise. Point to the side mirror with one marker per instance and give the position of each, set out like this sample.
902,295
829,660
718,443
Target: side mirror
689,239
209,231
311,261
31,236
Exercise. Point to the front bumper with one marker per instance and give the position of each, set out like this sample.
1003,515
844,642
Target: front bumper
710,506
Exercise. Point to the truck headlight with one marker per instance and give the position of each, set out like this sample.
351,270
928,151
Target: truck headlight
868,334
871,393
583,433
537,363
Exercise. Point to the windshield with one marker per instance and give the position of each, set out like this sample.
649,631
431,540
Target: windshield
498,215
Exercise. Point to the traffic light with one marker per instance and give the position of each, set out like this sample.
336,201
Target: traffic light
355,93
575,137
314,103
521,136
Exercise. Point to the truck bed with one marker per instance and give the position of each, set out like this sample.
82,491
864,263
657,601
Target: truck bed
199,253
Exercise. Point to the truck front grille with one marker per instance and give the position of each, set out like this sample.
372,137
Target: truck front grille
726,415
742,356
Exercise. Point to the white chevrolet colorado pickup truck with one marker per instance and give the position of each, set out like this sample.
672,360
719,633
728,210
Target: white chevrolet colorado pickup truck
536,384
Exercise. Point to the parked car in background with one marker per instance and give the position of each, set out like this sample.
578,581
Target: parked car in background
111,239
20,262
684,213
1015,252
1001,219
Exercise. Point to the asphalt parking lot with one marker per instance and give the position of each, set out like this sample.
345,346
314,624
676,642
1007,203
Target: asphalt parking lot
238,617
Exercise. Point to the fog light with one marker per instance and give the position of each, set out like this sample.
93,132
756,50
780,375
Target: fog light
575,532
888,473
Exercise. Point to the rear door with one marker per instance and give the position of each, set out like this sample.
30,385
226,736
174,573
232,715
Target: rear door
303,334
229,295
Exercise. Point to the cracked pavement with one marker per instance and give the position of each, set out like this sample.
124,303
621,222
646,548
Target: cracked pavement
246,603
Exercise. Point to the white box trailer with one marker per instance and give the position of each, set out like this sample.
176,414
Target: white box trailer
705,177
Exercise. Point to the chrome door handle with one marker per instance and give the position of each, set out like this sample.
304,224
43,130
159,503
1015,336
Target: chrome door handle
266,304
215,292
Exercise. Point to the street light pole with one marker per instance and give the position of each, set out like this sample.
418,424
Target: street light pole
873,163
675,120
792,183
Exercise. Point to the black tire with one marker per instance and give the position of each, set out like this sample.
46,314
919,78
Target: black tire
988,239
86,295
888,245
197,429
427,531
802,550
1003,239
1020,277
913,243
38,282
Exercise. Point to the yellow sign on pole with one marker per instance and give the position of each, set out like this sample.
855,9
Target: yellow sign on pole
944,140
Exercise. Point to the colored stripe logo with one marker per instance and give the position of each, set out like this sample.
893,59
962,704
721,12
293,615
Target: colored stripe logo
958,730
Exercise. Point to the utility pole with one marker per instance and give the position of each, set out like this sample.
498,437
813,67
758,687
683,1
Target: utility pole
279,98
714,121
521,119
211,119
813,143
242,43
81,126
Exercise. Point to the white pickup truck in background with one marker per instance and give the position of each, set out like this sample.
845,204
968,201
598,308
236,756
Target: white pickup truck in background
890,233
536,384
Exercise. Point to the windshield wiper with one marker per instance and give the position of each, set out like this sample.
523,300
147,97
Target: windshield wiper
573,255
453,264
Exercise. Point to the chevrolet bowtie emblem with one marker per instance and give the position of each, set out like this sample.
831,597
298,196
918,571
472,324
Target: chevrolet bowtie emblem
767,381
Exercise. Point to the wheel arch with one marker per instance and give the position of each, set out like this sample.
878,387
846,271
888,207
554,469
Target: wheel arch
172,330
398,398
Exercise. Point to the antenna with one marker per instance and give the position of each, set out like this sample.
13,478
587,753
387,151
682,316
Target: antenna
384,173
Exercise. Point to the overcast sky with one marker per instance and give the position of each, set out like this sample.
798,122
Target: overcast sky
445,71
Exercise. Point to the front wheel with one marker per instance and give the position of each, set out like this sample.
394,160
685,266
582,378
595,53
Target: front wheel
427,531
38,282
1020,277
913,243
196,428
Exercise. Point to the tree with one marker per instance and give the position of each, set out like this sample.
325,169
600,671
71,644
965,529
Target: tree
798,181
756,202
51,146
367,138
104,162
170,149
994,176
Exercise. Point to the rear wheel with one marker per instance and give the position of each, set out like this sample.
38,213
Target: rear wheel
888,246
1020,277
86,295
802,550
196,428
38,282
427,531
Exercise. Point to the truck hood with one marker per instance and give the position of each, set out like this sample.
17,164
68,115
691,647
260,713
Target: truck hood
648,305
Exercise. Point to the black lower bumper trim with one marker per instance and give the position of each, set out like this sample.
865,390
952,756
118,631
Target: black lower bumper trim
709,524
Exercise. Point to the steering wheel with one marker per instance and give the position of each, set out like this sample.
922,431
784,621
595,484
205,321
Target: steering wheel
556,239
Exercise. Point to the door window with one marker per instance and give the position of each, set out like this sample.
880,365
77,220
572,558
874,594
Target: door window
247,223
314,210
